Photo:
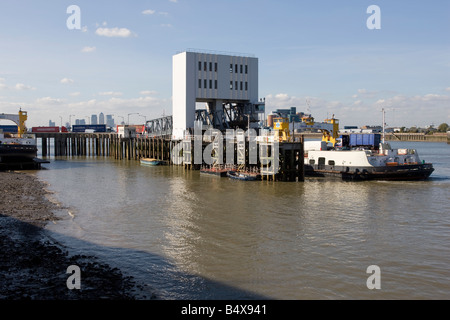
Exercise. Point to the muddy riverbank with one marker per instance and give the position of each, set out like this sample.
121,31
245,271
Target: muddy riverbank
32,265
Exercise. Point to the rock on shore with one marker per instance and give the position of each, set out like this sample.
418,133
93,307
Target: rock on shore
32,266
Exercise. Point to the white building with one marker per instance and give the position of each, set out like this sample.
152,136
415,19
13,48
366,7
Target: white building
214,79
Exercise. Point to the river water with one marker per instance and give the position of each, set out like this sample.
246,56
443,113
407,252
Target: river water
190,236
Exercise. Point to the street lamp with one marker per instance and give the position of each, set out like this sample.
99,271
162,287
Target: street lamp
145,117
129,117
70,120
123,119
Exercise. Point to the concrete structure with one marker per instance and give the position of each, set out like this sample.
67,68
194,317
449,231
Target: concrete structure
222,82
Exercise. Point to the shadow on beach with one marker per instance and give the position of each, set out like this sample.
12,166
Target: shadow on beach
34,260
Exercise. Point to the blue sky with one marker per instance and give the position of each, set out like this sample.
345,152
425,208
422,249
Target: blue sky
120,61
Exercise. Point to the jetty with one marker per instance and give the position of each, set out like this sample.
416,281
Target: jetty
274,160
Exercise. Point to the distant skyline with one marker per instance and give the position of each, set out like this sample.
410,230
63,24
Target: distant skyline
316,53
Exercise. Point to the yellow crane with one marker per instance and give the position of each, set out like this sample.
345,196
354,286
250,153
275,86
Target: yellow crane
19,119
329,128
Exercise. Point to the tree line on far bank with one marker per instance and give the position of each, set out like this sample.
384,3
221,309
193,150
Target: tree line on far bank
443,127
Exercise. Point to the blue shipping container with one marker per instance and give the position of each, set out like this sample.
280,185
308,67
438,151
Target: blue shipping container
365,139
95,127
9,129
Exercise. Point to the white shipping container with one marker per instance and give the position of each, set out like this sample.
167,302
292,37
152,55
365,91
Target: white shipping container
315,146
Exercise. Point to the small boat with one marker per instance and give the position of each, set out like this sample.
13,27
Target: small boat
244,176
152,162
214,171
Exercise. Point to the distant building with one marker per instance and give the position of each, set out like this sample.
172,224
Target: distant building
372,129
94,119
110,120
51,123
80,122
101,118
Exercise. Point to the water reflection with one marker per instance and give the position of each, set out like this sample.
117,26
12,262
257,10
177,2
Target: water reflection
281,240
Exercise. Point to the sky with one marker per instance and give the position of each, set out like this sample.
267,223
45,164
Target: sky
318,56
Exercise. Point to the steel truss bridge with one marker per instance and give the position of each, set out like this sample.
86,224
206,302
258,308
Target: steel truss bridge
230,116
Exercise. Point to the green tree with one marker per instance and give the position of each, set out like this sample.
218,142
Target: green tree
443,127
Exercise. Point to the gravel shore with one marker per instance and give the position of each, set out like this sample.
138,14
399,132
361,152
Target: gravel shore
34,267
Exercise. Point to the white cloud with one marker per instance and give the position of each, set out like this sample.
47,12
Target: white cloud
365,93
21,87
447,89
66,81
148,12
114,32
174,1
49,101
168,25
88,49
110,93
148,92
74,94
84,29
18,86
401,110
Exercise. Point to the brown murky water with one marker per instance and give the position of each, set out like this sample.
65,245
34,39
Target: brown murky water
191,236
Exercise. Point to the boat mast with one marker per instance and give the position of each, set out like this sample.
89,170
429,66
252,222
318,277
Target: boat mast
384,124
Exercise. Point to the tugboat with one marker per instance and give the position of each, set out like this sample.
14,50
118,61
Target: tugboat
18,150
367,163
364,157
